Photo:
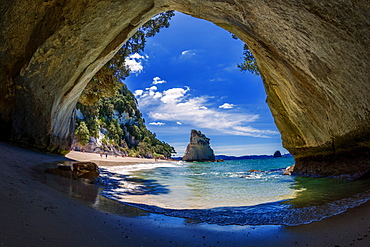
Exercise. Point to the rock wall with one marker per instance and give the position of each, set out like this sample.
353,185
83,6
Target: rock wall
313,56
198,149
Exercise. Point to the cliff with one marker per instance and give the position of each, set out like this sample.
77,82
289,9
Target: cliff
115,125
198,149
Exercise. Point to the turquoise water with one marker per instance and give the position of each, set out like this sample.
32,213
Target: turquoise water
238,192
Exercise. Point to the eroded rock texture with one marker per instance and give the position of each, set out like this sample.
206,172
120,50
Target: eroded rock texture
313,55
198,149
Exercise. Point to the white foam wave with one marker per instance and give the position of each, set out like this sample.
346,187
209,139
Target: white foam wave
128,169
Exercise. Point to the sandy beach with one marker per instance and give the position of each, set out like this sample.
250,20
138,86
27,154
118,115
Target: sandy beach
107,160
34,214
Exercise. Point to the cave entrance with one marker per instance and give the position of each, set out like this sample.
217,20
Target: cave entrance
323,119
187,78
313,56
201,191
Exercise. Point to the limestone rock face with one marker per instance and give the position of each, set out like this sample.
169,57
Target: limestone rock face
94,147
313,56
198,149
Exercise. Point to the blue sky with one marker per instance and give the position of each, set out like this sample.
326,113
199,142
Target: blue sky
187,78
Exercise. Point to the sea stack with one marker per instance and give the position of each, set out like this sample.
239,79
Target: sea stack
277,154
198,149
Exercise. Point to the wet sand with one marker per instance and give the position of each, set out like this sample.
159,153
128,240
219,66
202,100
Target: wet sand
34,214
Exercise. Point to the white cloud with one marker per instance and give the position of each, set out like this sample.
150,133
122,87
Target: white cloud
249,131
217,79
136,56
226,106
157,123
231,68
151,91
179,123
152,88
157,95
188,53
174,95
177,105
134,63
157,80
138,92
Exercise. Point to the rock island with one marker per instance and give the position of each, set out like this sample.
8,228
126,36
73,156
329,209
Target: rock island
198,149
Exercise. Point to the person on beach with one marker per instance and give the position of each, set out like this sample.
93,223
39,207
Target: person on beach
106,155
101,155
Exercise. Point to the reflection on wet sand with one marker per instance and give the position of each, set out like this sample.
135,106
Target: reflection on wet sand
85,193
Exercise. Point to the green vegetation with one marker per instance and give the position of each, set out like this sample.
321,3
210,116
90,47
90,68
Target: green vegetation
249,63
122,124
109,107
82,133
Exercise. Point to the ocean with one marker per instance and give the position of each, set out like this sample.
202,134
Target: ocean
233,192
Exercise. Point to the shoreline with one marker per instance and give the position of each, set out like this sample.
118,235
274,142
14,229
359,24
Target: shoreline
34,214
106,161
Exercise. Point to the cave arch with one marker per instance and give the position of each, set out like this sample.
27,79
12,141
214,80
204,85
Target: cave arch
320,102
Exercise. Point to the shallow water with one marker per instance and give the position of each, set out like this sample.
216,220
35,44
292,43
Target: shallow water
226,193
229,193
181,185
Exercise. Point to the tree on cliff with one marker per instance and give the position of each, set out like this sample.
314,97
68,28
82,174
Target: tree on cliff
121,121
249,63
82,133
